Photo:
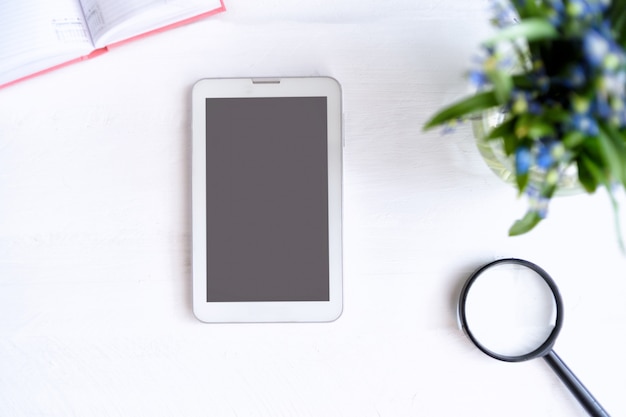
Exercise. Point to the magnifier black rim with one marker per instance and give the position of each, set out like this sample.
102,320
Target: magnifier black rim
545,347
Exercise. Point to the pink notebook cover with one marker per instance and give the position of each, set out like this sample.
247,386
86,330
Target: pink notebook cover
100,51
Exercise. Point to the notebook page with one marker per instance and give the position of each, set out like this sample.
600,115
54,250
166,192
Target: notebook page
102,15
36,35
112,21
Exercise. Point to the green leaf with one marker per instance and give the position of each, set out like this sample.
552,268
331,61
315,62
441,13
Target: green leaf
586,178
502,84
614,149
522,181
523,81
510,144
601,178
611,154
573,139
529,126
504,129
525,8
539,129
525,224
617,16
556,115
522,126
595,171
473,104
616,220
532,29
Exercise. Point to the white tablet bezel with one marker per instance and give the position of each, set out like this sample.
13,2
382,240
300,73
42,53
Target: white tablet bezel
262,311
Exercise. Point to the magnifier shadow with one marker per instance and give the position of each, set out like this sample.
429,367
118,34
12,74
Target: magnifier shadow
512,310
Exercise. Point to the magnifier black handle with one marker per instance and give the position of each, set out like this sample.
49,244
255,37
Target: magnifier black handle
576,387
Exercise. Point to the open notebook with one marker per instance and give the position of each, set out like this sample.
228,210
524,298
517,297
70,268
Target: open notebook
37,36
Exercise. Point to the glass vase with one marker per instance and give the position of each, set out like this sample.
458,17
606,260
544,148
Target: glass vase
503,165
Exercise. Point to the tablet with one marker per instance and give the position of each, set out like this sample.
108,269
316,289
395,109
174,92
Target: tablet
266,199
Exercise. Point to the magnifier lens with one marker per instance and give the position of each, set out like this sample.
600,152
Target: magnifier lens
510,310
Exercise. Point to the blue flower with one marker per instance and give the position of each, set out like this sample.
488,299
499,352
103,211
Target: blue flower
478,78
601,107
503,12
585,124
598,6
614,83
451,126
595,47
575,76
618,118
544,157
522,101
536,202
556,12
523,160
534,107
587,9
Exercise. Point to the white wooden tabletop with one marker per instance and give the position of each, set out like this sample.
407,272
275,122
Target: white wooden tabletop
95,280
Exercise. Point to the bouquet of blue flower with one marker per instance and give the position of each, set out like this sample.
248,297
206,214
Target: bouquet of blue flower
557,71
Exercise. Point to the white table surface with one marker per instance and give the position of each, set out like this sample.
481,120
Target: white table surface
95,229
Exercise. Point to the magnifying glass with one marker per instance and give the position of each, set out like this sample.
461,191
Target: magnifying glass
512,310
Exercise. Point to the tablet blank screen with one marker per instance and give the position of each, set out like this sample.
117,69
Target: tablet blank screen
267,199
